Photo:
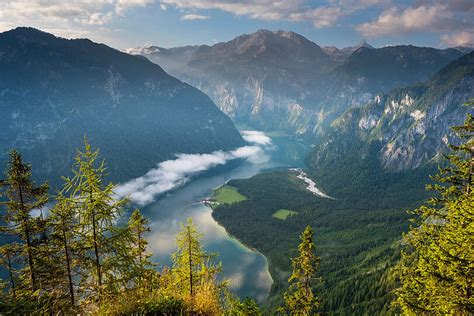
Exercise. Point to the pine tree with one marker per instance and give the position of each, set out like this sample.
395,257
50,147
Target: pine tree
437,265
103,257
299,298
23,197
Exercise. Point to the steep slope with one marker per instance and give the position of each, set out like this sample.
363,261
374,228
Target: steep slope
277,80
266,79
55,91
408,126
375,162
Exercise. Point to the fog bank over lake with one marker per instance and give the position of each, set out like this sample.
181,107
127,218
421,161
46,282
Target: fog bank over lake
174,200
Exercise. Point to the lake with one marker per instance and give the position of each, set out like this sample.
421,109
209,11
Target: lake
247,270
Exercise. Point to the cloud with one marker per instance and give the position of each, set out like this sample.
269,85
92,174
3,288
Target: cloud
463,38
392,21
288,10
59,14
320,17
171,174
438,16
257,9
256,137
192,17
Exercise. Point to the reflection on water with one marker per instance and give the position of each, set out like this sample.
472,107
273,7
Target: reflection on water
246,269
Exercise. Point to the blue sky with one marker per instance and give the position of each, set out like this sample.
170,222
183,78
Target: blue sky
131,23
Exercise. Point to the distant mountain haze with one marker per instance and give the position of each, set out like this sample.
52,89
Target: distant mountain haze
279,80
54,92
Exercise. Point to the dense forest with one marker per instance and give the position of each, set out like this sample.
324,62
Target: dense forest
74,252
357,233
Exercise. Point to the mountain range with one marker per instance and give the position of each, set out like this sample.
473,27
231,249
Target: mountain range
279,80
55,91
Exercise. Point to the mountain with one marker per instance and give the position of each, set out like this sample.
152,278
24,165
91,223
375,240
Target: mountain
380,70
464,49
55,91
168,58
409,126
374,160
261,79
343,53
278,80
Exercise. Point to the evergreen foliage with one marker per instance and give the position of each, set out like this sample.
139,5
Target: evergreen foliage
23,198
437,265
299,298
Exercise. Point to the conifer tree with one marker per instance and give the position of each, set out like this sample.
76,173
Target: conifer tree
138,227
102,241
299,298
194,274
23,197
7,259
437,265
65,243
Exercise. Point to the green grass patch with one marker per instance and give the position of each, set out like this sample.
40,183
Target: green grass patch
228,194
283,214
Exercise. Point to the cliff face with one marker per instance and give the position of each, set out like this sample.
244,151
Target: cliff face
412,124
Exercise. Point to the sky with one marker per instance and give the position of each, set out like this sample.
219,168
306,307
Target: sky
168,23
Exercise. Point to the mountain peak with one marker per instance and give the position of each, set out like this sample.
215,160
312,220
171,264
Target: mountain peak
143,50
279,33
364,43
28,34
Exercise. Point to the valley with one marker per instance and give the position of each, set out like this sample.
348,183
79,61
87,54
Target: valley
234,169
246,269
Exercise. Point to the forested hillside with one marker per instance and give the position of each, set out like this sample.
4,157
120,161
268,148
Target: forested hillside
356,236
358,233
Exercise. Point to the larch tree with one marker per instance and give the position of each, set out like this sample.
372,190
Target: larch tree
138,228
194,273
8,253
23,197
299,298
102,241
437,266
63,222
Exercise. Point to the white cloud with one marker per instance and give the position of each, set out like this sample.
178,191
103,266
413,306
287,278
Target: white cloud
122,5
64,14
463,38
99,18
320,17
171,174
392,21
258,9
192,17
438,16
256,137
288,10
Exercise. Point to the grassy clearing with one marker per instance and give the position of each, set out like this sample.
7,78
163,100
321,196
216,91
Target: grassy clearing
228,194
283,213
